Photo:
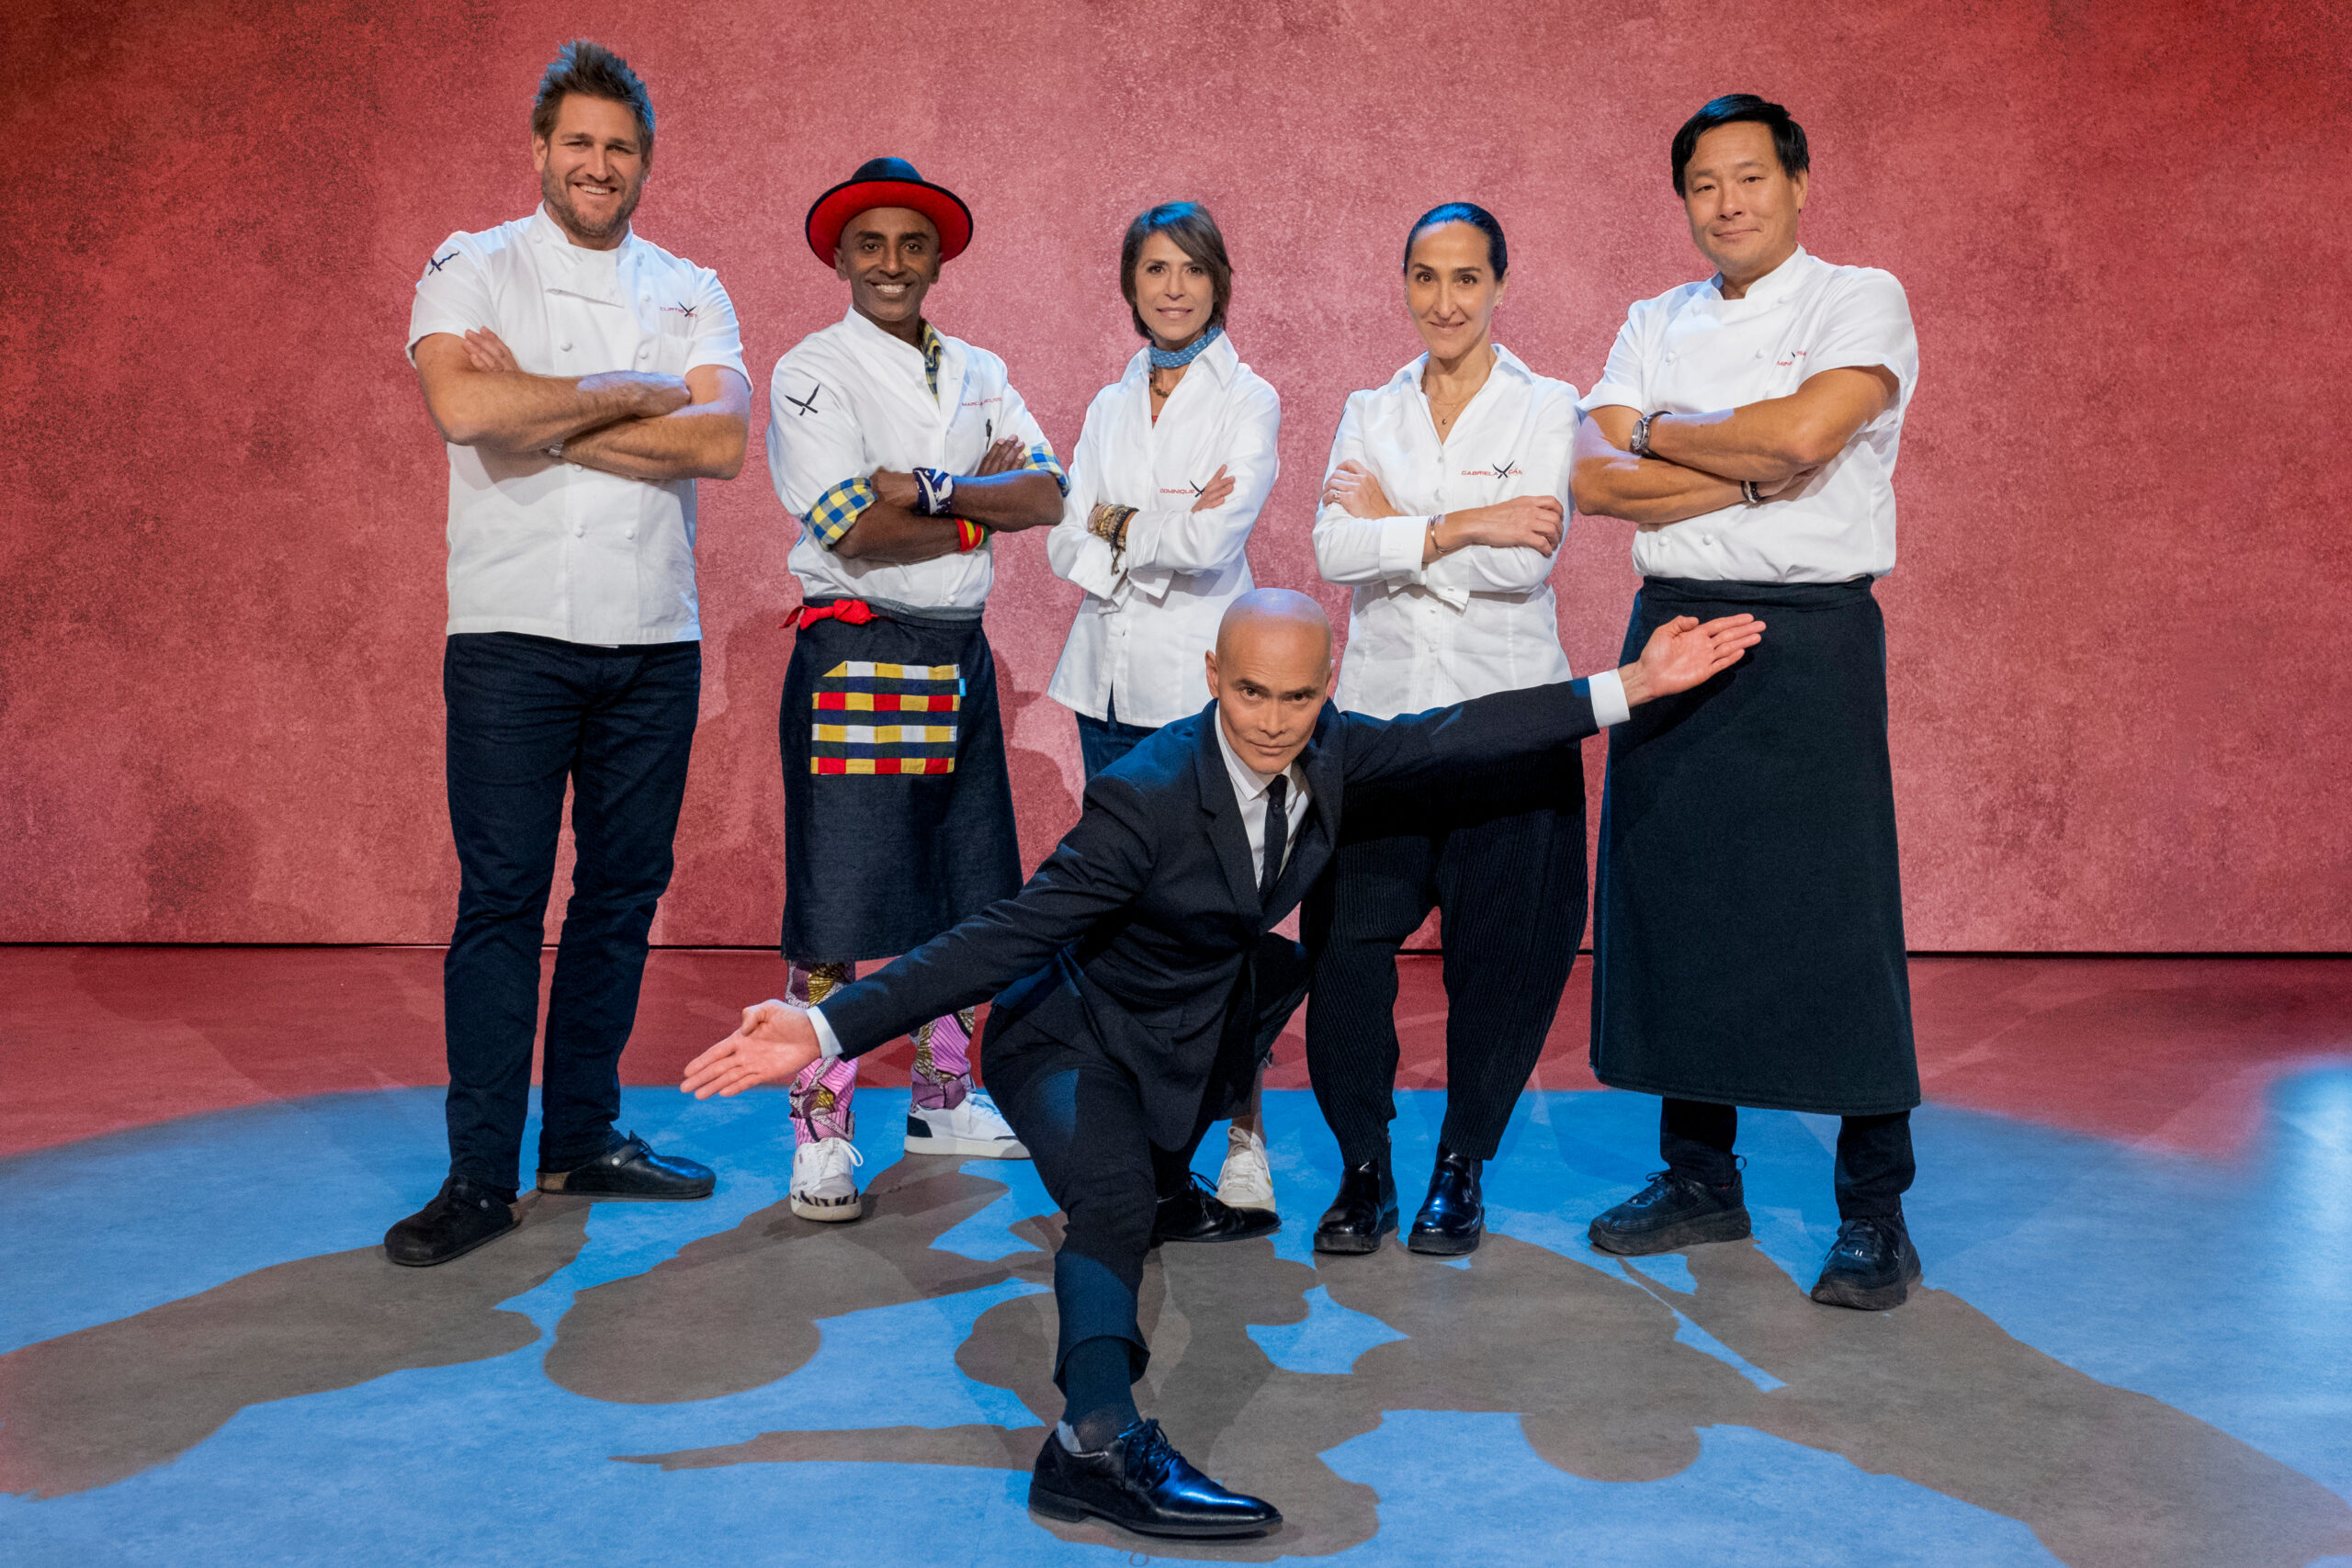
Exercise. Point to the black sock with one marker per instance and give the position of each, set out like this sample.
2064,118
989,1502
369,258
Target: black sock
1098,1382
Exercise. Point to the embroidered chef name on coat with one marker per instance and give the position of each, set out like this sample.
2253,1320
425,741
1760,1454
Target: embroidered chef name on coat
842,739
1506,469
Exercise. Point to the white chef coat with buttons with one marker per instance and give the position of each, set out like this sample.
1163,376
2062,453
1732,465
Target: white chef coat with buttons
1151,612
549,548
1691,351
851,399
1478,619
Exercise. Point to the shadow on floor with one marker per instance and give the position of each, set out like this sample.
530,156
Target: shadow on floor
90,1408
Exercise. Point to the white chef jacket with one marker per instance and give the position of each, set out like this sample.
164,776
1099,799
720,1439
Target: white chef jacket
1140,635
549,548
1478,619
1691,351
850,399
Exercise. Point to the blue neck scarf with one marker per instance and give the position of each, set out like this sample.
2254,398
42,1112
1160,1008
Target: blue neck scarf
1162,359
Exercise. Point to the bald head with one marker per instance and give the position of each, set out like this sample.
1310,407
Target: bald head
1269,674
1276,613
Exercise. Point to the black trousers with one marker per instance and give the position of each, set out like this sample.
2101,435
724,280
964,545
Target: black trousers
527,715
1084,1124
1875,1160
1512,884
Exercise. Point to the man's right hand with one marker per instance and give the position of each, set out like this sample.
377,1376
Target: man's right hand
638,394
1683,653
773,1042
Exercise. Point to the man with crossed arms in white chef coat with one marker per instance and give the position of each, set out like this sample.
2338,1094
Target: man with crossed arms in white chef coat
902,452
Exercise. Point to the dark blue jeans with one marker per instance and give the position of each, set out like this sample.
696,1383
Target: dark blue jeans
528,714
1103,742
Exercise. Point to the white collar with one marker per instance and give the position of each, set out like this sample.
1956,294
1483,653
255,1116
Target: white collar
1774,286
1410,376
1249,783
548,232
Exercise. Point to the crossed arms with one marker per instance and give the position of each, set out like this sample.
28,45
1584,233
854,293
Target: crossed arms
638,424
1700,459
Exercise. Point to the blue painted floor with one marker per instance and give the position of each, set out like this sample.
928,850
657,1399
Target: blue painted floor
2122,1358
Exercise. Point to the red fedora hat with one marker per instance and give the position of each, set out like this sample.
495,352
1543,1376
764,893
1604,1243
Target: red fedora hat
889,182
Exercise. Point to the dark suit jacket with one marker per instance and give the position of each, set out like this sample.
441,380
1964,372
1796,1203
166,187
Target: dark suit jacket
1134,937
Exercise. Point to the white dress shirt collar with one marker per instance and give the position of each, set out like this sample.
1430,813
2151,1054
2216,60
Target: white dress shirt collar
1250,788
1772,287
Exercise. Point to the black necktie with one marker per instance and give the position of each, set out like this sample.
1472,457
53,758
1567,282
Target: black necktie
1277,837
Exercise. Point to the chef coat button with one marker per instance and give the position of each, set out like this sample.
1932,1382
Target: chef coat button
631,533
580,530
565,348
644,349
1706,538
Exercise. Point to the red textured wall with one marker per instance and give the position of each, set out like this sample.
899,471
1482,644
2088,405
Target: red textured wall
2120,689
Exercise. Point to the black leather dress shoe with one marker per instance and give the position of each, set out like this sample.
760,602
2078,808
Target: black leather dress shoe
462,1217
1139,1481
1364,1211
1195,1213
1871,1266
631,1169
1454,1216
1673,1211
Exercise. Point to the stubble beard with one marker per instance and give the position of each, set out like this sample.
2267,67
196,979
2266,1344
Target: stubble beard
556,190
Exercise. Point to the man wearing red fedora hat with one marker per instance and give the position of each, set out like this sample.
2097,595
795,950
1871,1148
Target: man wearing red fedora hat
902,452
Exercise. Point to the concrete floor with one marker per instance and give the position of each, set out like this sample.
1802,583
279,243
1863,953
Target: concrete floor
2135,1208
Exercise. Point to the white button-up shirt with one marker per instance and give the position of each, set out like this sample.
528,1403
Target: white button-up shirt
1150,615
1478,619
549,548
1691,351
851,399
1250,788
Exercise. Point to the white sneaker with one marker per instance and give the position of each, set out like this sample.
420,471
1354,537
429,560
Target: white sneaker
1246,1182
976,1130
822,1187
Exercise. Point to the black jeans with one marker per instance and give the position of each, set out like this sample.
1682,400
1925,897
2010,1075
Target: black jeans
1875,1160
526,714
1084,1126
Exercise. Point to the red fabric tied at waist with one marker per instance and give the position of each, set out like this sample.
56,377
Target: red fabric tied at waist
849,612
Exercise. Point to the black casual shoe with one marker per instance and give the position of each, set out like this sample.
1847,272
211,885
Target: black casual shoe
462,1217
1871,1266
1364,1211
631,1169
1454,1216
1139,1481
1195,1213
1673,1211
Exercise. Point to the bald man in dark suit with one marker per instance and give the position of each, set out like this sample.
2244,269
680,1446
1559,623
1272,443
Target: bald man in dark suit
1137,982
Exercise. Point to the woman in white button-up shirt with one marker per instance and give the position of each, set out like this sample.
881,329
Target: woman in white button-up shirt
1444,507
1174,462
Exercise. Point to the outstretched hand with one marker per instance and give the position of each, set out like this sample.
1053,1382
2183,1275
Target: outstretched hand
775,1042
1683,653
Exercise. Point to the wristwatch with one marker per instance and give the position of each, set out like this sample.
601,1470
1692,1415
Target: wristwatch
1640,445
556,451
936,492
1749,493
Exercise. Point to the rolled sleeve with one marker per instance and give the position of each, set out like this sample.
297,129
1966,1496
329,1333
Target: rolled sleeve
452,294
838,510
718,337
1870,328
1624,382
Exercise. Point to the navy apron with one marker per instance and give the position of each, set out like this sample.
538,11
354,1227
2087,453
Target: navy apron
1747,908
898,809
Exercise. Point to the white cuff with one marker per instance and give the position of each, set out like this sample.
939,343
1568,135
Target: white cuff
1402,541
1608,705
827,1041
